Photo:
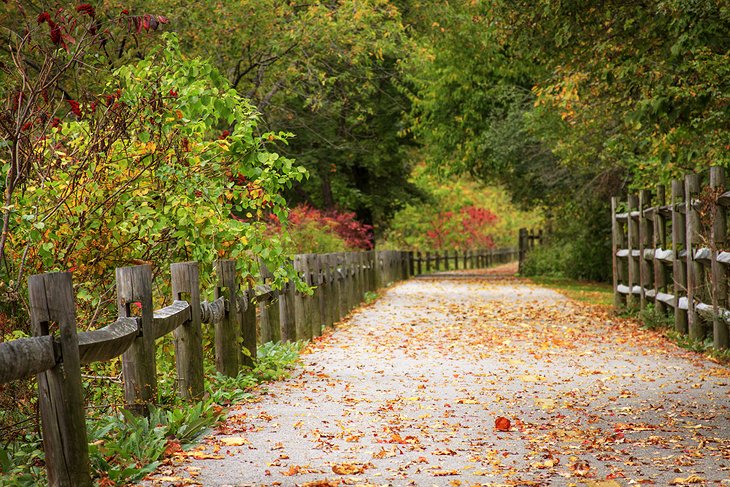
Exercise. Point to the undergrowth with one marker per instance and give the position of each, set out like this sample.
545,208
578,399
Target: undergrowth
124,448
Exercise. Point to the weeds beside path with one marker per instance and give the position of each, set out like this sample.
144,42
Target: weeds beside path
476,379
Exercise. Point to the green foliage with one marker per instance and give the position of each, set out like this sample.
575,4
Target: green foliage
169,187
21,463
652,319
370,297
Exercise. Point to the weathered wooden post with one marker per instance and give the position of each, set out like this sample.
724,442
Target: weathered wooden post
619,300
269,322
679,271
645,239
134,288
315,301
188,336
428,261
336,282
523,246
227,331
248,328
60,392
694,268
343,283
718,236
660,244
633,248
302,311
286,314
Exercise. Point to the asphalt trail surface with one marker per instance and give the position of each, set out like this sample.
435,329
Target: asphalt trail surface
410,391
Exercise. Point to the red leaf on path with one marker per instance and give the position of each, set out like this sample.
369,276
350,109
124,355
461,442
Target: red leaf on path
502,424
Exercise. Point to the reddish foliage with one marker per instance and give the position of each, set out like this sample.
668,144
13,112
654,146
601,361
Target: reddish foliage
75,107
355,234
466,229
87,9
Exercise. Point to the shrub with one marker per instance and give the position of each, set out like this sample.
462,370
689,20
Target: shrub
319,231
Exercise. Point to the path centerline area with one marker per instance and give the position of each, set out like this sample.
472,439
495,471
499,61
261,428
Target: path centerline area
408,389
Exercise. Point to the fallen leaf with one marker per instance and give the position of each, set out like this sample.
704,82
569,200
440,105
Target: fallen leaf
692,479
234,441
348,468
502,424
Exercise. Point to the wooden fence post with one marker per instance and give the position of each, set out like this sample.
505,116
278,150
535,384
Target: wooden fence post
428,261
302,311
660,244
269,323
315,276
645,240
619,300
227,331
694,268
247,319
523,245
335,302
718,235
633,246
60,392
325,291
134,288
188,336
286,314
679,274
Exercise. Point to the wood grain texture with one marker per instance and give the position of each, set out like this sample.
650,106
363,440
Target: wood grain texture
139,368
60,393
227,330
26,357
185,282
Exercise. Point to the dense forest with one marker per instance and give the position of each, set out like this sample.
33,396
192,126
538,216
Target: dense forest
153,132
147,109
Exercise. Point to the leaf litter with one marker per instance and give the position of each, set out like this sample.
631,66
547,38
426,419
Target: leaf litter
477,381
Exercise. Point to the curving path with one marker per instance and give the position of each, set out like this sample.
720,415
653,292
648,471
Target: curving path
407,392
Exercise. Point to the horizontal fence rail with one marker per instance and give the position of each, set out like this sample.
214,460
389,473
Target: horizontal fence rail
239,316
671,250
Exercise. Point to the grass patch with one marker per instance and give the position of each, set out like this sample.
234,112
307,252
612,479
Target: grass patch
599,293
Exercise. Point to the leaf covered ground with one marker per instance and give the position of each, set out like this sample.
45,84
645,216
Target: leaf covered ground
467,380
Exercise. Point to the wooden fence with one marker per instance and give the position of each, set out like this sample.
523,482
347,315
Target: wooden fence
669,250
56,352
528,240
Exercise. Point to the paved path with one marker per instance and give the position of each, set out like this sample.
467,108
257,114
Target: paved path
408,390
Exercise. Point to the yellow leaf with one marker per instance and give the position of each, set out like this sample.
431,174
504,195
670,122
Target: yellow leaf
234,441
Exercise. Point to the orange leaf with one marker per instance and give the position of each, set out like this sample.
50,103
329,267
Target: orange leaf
502,424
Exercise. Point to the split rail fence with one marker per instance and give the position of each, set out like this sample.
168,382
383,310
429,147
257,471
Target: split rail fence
56,352
671,250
